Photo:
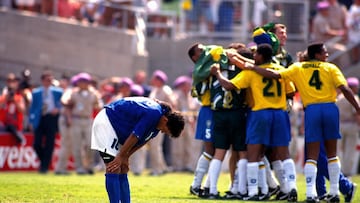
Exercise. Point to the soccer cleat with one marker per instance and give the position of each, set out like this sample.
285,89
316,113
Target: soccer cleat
292,197
195,190
213,196
274,191
312,200
204,193
230,195
263,197
323,197
251,198
333,199
350,195
282,196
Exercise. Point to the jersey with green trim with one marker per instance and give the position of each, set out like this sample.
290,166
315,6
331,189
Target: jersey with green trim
222,99
316,81
266,93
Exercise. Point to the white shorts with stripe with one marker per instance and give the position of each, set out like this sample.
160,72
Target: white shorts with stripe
103,135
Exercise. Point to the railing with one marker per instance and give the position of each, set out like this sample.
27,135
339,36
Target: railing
247,14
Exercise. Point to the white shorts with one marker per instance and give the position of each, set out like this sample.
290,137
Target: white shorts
103,135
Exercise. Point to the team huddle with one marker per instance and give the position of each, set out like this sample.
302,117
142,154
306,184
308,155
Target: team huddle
245,96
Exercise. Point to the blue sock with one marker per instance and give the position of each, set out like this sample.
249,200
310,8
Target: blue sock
124,188
112,184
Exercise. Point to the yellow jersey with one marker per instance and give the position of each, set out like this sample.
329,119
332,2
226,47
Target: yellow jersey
266,93
316,81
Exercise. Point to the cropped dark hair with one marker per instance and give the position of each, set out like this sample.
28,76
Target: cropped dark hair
314,49
175,124
265,50
191,51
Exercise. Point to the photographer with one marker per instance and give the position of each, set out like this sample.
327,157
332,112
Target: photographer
12,107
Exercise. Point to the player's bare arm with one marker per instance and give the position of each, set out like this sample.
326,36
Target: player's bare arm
268,73
121,160
347,92
239,60
224,82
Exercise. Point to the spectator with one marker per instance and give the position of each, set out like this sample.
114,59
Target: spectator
44,114
47,7
161,92
140,78
200,17
25,5
122,89
325,28
12,109
25,88
187,149
353,23
349,129
83,100
64,129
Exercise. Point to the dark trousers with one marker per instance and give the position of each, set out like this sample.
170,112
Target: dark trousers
44,140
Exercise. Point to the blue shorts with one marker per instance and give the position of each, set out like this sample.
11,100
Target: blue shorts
321,122
270,127
205,124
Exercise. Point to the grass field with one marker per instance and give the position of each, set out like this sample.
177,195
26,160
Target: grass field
169,188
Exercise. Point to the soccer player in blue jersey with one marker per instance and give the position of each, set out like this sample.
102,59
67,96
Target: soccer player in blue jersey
124,126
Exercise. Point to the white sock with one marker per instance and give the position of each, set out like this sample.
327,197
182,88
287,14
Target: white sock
252,178
214,172
280,175
310,170
235,184
270,178
201,169
334,173
290,173
262,178
241,168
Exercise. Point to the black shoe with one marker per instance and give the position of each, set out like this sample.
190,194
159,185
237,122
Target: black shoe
282,196
90,172
293,196
230,195
263,197
323,197
350,195
204,193
195,190
274,191
333,199
251,198
214,196
312,200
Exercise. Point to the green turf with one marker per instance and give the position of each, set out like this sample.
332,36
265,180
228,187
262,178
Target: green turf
172,187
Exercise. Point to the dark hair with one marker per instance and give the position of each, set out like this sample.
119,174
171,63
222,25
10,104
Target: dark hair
191,51
175,124
246,52
314,49
265,50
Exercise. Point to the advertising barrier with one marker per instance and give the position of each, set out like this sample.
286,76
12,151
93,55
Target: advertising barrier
15,157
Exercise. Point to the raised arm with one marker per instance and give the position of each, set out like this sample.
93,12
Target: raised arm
239,60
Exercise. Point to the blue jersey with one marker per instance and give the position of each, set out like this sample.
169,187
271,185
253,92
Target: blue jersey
134,115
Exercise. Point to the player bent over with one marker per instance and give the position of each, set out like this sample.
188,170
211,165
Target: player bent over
124,126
